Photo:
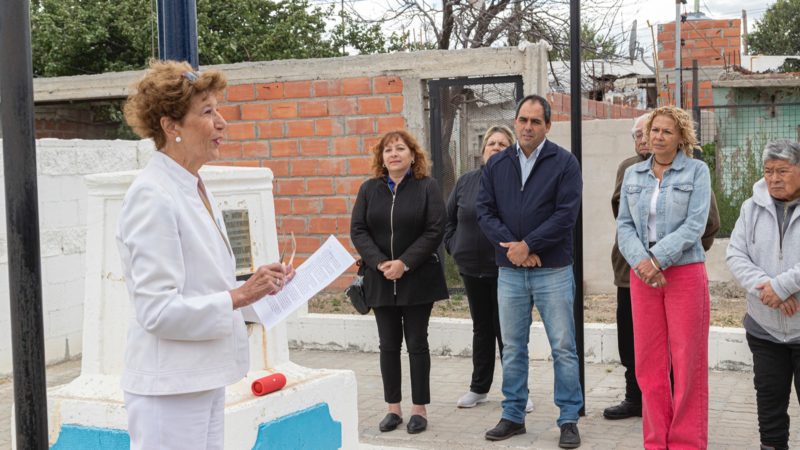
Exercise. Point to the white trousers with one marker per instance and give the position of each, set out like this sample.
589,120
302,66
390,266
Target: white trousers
193,421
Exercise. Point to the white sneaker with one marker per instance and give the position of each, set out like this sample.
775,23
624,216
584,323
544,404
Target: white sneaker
529,406
471,399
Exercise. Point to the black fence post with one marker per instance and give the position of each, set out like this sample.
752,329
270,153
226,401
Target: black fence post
696,98
22,223
577,150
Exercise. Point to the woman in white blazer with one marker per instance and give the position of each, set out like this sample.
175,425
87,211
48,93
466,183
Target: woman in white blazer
187,339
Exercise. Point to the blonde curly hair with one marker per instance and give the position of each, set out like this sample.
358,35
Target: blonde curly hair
166,90
684,123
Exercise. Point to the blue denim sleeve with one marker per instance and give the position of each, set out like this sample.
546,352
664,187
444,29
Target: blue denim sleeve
669,249
630,245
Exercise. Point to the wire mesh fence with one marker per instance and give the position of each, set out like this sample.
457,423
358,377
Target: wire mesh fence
461,111
733,138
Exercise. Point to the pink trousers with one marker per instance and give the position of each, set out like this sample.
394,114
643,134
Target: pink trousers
670,329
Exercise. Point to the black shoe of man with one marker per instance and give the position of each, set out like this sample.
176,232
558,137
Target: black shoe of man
504,430
624,410
570,438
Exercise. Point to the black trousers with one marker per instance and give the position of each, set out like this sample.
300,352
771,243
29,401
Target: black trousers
774,366
482,297
393,322
625,344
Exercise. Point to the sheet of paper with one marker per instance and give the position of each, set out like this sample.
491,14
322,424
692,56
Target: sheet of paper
318,271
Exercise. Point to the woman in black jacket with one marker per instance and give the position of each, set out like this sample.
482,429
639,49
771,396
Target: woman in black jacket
474,255
397,226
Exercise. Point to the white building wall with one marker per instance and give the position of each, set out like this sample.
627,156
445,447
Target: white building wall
61,165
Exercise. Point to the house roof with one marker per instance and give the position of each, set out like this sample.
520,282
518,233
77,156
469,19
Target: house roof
594,70
751,80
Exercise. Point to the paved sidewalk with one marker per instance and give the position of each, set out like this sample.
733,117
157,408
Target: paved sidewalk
732,416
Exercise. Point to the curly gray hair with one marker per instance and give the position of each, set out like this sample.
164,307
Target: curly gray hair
782,149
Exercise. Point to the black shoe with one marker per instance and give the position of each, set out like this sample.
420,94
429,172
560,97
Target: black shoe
390,422
417,424
570,438
777,447
624,410
504,430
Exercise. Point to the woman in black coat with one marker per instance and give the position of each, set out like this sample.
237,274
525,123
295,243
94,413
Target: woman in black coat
397,226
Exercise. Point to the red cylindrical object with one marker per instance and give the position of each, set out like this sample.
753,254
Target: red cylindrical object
267,384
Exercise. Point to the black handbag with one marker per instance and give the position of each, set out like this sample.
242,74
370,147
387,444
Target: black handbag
355,292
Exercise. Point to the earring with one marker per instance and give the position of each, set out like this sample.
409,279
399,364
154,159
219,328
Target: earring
178,139
412,162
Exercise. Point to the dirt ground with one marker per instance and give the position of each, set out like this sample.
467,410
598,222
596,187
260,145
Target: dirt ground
727,306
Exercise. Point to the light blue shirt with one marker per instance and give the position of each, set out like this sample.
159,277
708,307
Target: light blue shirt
527,163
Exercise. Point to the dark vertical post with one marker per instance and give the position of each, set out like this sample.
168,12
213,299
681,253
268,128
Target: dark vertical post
22,223
696,98
177,31
435,95
577,150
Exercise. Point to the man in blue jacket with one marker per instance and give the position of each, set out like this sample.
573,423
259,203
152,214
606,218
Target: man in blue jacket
527,206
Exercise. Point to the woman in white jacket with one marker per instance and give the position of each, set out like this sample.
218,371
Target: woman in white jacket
187,339
764,256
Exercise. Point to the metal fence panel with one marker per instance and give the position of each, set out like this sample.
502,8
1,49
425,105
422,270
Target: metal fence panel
733,138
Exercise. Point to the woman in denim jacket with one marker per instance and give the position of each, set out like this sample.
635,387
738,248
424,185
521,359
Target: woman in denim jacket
662,214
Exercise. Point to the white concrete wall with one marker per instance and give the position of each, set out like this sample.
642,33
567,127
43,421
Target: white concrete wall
61,165
605,144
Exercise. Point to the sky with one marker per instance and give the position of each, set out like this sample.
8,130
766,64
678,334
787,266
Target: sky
656,11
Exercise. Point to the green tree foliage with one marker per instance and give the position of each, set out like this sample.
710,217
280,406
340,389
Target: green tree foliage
73,37
778,31
593,46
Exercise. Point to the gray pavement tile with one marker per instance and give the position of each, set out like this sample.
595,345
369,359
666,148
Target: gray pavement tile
732,412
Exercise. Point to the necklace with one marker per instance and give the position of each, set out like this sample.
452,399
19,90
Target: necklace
655,160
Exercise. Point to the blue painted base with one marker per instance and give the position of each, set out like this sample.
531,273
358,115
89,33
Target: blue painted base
78,437
312,428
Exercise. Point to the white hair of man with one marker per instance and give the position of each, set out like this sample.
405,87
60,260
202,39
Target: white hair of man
639,121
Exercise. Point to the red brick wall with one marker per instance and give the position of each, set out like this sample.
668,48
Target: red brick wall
73,120
315,135
590,109
707,41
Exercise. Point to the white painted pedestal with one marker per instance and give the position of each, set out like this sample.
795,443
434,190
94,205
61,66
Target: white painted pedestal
89,412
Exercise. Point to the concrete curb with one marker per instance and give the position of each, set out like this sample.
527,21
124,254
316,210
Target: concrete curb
727,347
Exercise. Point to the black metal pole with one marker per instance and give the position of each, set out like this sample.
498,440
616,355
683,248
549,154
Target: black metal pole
177,31
696,98
22,223
577,150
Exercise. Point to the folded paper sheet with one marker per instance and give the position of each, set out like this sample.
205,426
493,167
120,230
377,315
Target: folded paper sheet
318,271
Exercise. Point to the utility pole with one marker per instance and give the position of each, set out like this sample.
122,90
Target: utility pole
744,32
22,226
341,13
678,49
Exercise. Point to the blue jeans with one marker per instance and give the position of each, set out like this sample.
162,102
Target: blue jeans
553,293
